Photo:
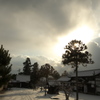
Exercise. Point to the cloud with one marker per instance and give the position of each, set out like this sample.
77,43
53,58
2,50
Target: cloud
17,62
34,22
56,16
32,27
94,49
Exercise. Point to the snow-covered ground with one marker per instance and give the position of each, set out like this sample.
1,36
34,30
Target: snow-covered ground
29,94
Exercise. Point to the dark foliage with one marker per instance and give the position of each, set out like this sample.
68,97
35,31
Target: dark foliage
35,74
55,74
5,67
46,70
76,52
27,67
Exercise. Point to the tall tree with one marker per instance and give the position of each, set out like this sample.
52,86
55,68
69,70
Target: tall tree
5,66
46,70
76,54
27,66
35,74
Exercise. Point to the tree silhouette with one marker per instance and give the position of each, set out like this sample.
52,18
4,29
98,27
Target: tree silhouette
26,68
5,66
76,54
35,74
45,71
55,74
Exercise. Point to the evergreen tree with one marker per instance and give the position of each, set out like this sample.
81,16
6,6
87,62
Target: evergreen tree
27,67
35,74
5,66
46,70
75,55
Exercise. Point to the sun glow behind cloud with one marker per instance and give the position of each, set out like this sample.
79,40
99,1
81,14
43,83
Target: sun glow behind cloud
85,34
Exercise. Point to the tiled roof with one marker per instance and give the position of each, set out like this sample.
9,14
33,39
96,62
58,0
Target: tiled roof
63,78
86,73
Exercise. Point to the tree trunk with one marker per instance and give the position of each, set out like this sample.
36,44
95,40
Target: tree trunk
76,82
46,85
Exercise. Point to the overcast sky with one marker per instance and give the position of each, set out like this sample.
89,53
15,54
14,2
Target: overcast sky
40,29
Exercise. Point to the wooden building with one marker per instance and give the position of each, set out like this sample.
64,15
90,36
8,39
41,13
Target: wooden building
88,81
22,81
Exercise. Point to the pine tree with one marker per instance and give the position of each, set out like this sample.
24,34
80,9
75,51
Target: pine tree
5,66
75,55
46,70
35,74
27,67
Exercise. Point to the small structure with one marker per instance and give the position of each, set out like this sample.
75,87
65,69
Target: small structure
64,79
23,81
53,87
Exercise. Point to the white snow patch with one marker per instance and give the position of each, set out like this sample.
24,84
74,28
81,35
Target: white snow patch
29,94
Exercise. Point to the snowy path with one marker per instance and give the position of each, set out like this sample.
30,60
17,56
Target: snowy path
19,94
29,94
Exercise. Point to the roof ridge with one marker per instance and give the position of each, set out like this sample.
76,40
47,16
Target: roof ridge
88,70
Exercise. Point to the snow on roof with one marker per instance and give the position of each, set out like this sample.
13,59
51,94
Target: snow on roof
64,78
53,82
50,77
23,78
86,73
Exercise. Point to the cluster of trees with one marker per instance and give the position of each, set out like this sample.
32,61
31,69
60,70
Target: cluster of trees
75,54
5,67
36,72
29,69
